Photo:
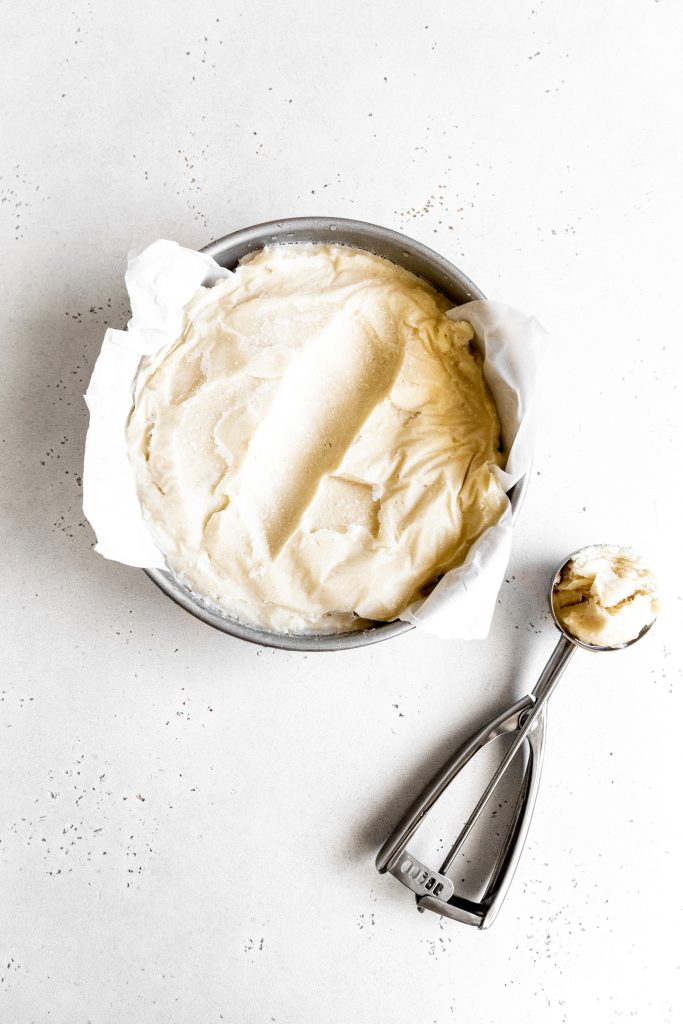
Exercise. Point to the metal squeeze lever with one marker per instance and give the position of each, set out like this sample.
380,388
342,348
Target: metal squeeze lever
434,890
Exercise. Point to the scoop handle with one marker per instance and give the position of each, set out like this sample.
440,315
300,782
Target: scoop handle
395,843
548,680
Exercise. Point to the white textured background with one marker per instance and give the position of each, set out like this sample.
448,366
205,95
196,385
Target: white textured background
188,824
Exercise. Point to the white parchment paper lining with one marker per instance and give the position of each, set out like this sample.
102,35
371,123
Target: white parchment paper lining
161,279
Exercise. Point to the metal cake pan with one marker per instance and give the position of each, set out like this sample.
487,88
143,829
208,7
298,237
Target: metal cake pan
398,248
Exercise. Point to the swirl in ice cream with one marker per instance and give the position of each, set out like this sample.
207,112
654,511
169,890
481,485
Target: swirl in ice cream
319,445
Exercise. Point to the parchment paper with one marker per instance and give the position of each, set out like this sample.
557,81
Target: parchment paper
161,279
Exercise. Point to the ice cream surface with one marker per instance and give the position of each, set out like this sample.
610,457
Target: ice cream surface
319,445
605,596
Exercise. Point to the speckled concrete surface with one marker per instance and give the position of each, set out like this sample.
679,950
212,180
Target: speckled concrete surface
188,823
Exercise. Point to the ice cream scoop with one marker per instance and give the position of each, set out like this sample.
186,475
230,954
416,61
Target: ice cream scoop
435,890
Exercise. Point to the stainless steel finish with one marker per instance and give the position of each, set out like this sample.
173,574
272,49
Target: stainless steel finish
527,719
394,851
421,880
418,258
542,691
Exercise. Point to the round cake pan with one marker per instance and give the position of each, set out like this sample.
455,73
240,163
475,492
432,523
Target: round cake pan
398,248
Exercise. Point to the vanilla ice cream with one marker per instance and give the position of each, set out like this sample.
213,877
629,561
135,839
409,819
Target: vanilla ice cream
605,596
319,445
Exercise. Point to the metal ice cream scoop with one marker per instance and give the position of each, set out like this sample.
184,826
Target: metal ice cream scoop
526,719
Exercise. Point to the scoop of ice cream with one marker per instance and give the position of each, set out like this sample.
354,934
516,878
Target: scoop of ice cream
605,596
